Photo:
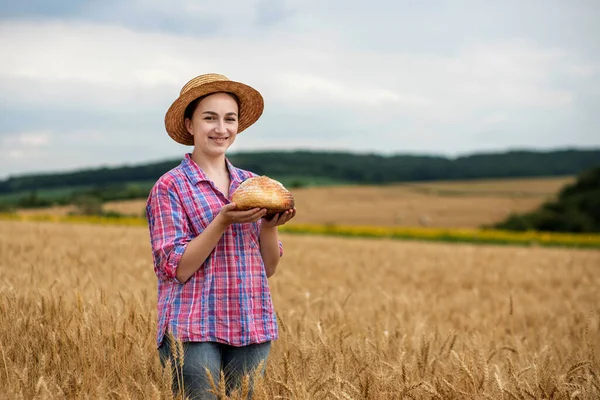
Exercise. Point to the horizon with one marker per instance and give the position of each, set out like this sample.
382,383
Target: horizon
317,151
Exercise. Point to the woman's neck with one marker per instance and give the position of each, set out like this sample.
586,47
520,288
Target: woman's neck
212,166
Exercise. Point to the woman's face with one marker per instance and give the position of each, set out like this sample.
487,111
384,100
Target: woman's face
214,124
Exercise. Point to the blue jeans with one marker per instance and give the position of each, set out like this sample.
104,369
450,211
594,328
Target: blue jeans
235,362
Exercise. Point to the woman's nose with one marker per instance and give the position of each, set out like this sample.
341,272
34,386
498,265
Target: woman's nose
220,126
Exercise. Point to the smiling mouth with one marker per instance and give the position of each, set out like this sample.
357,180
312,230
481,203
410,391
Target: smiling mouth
219,139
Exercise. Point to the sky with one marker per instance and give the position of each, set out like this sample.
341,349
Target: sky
85,84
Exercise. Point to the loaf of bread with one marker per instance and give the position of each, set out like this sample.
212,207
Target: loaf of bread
263,192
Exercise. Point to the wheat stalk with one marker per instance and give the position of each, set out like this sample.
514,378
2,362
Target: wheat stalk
65,332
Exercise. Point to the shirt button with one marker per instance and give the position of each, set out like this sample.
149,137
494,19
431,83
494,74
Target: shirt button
236,258
239,281
234,234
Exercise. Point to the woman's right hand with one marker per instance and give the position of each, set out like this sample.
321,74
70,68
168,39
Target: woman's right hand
227,215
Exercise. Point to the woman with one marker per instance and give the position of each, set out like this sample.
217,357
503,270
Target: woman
212,262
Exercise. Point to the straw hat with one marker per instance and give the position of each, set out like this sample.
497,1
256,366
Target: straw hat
250,101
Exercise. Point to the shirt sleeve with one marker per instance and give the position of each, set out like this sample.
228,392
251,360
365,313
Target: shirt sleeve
169,231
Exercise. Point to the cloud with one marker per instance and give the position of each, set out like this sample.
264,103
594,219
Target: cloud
584,70
112,65
192,17
312,88
20,147
30,8
272,12
36,139
17,141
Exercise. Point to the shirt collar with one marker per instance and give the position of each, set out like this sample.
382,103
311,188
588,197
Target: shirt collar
235,174
197,175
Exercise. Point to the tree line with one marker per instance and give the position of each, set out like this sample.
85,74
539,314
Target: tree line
338,166
576,209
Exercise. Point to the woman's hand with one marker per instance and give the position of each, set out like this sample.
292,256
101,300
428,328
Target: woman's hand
279,219
227,215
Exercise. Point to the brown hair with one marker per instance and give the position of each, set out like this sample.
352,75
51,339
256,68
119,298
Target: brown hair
189,110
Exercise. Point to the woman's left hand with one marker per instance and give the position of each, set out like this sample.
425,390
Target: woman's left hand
279,219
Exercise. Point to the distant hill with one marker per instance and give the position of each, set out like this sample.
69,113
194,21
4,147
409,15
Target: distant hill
576,209
338,167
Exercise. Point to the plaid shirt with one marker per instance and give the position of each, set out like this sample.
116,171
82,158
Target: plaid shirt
228,299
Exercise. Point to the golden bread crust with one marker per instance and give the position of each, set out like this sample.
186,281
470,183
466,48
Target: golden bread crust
263,192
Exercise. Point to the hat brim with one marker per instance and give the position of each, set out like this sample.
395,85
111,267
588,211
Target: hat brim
251,104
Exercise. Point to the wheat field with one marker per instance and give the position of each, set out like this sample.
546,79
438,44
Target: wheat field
359,318
466,204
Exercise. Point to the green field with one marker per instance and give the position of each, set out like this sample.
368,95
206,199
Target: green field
124,191
64,195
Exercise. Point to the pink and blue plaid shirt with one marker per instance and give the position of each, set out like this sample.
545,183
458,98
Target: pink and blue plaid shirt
228,299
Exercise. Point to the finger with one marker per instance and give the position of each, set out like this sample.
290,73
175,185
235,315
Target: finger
255,216
285,217
239,215
258,217
260,213
269,218
229,207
